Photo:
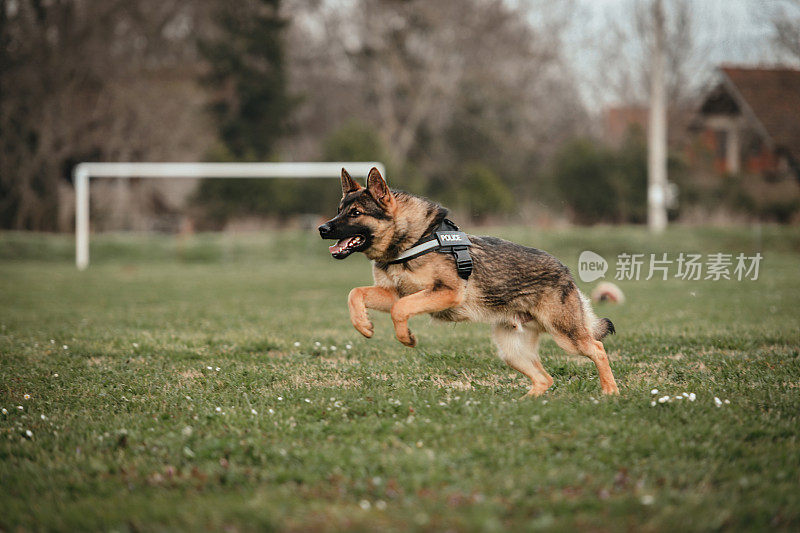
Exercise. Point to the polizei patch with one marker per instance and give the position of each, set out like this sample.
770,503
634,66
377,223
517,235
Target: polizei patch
452,238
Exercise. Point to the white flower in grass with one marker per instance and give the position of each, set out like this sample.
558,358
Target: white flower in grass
653,403
280,398
654,391
135,344
65,347
307,400
55,375
317,344
364,504
685,394
52,341
5,411
296,344
727,402
20,408
209,368
717,402
217,369
43,417
692,396
29,433
218,409
663,399
333,348
348,346
648,499
271,411
26,396
187,431
254,411
189,398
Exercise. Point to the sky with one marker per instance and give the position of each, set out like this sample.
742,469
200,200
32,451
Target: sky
724,31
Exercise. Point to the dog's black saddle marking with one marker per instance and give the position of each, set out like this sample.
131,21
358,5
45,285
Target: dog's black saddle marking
446,239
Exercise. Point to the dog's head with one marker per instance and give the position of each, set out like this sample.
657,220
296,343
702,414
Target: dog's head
365,218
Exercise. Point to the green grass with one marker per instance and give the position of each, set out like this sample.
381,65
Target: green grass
381,436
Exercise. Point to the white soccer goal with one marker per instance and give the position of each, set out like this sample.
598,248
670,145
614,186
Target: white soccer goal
83,172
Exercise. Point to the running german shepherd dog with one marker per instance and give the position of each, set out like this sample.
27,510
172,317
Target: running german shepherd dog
523,292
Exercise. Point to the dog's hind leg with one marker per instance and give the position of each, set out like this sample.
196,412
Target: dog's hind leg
580,340
595,351
569,319
519,348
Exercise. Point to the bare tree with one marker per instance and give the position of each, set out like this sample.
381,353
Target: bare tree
422,72
785,20
624,55
90,79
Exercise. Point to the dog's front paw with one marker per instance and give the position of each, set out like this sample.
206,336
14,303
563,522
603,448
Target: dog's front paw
407,338
364,327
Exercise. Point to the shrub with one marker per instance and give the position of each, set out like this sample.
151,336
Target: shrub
602,184
482,192
587,181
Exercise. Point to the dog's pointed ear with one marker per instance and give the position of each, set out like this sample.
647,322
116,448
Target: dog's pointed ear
348,183
377,187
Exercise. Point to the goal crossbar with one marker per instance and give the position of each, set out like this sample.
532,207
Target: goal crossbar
83,172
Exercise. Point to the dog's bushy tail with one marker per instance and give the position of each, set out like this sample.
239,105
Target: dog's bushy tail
600,327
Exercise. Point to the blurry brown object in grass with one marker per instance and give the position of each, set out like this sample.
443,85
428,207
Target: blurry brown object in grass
608,292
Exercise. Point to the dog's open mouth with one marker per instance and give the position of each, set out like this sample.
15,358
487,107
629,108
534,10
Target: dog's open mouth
346,246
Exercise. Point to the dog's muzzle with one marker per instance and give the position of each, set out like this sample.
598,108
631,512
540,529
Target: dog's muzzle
347,241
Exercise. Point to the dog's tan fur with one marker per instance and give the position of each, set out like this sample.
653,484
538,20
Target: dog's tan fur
521,291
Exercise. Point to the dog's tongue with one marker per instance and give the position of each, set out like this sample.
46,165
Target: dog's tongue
341,245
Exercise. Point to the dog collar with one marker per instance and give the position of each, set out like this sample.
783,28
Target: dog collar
446,238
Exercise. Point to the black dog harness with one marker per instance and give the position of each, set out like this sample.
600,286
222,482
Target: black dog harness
446,239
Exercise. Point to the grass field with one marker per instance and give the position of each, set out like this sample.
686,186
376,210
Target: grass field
178,384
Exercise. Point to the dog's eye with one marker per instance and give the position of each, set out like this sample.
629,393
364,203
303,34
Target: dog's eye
355,213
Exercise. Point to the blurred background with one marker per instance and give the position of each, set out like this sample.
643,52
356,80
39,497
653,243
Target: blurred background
509,112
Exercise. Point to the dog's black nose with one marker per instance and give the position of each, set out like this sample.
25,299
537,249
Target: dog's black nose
324,229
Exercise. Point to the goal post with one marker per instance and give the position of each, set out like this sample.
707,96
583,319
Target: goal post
83,172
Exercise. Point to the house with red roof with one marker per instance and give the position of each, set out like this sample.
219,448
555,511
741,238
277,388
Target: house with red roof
750,122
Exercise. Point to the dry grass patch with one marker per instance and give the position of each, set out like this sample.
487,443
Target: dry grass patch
468,382
188,376
323,382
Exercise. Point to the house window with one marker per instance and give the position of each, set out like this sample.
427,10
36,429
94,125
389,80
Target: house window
720,143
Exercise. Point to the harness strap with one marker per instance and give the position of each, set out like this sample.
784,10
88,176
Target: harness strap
446,238
463,262
416,251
